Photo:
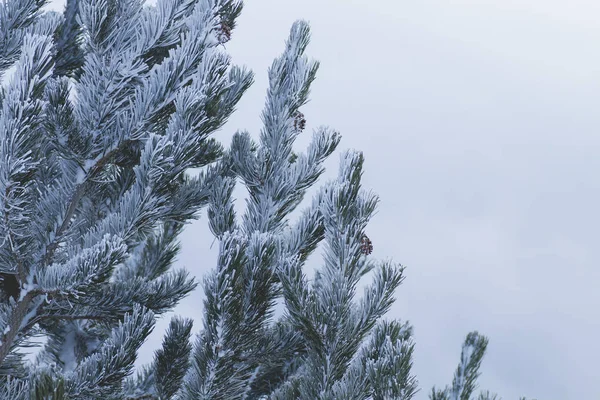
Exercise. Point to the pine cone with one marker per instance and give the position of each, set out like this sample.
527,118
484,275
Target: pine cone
299,121
366,246
224,33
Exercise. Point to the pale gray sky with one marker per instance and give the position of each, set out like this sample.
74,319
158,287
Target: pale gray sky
479,124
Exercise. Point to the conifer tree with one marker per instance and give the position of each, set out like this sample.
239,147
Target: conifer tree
109,104
327,345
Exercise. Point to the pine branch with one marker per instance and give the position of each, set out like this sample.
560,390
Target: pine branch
15,17
18,318
68,54
80,191
172,361
230,354
18,164
102,373
465,377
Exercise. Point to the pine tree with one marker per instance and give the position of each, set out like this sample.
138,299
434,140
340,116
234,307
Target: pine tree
109,104
326,345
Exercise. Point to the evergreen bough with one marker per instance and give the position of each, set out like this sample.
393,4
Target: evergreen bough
109,105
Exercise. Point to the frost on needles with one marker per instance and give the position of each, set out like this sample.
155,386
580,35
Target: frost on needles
109,105
327,345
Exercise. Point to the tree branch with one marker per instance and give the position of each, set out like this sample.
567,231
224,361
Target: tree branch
14,323
78,195
19,313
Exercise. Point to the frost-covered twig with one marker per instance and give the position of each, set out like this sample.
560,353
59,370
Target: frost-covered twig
467,372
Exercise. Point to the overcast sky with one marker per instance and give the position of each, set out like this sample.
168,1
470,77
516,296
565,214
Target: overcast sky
480,126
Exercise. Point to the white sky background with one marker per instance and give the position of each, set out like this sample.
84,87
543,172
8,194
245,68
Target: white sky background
480,127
